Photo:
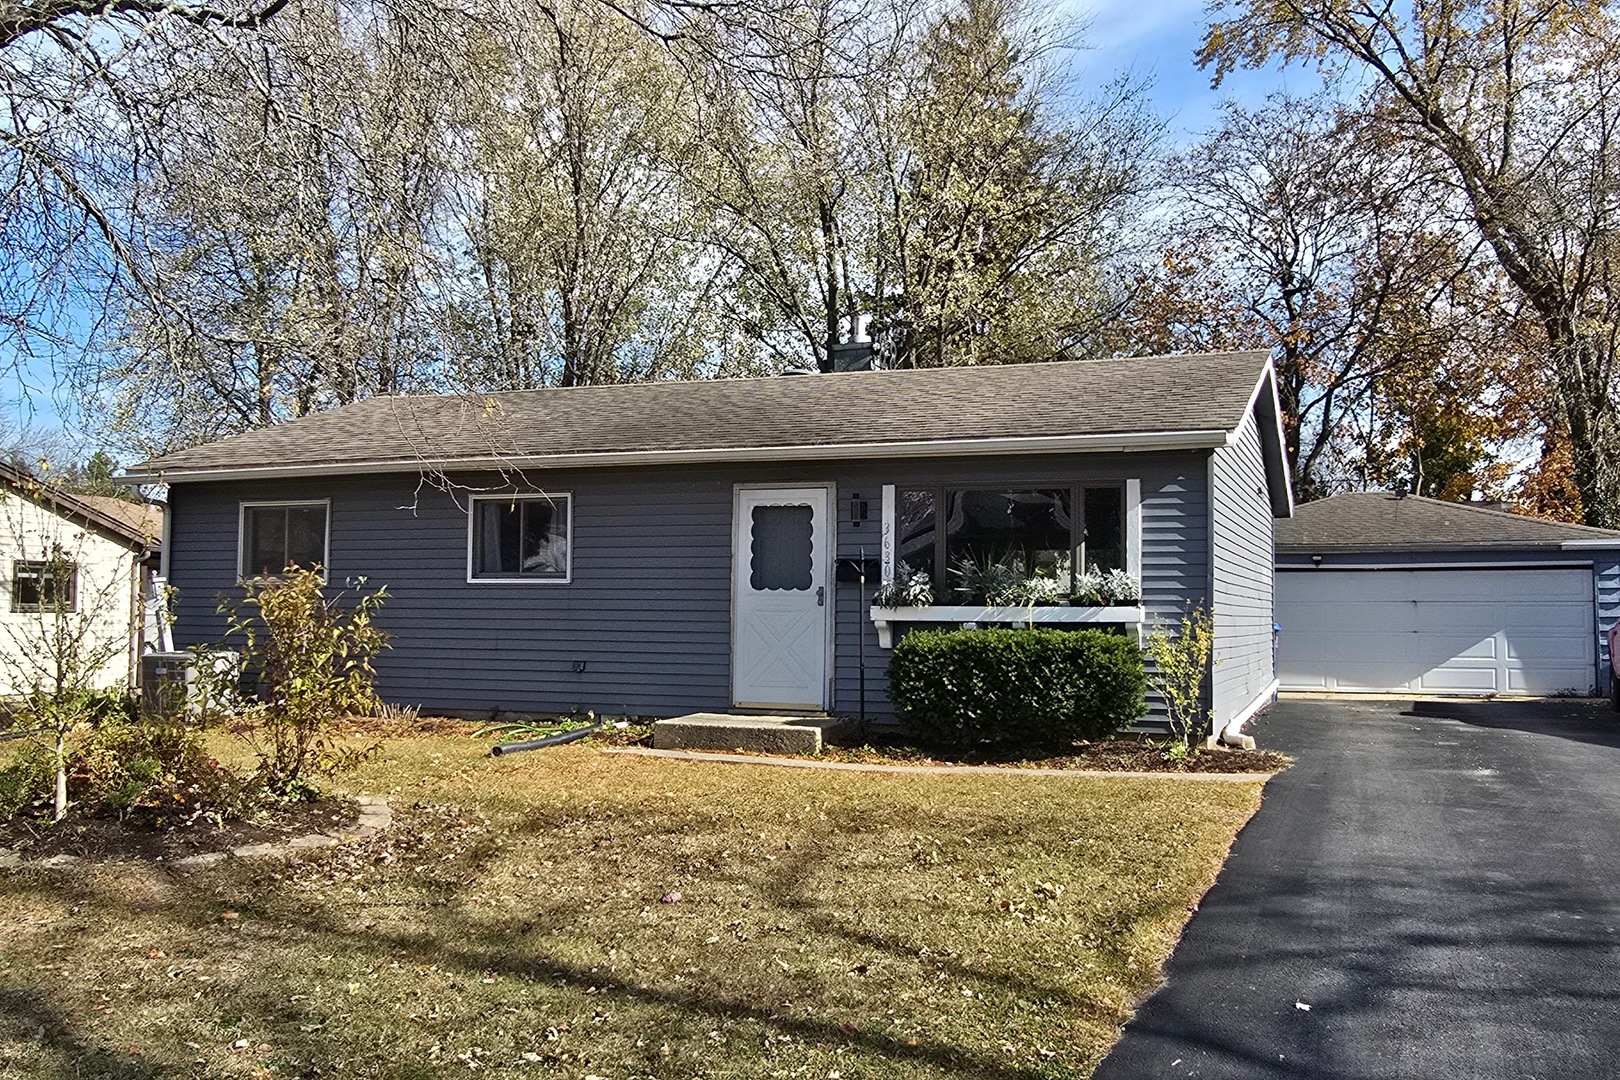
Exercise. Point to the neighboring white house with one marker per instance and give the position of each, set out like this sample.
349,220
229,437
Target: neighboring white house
76,571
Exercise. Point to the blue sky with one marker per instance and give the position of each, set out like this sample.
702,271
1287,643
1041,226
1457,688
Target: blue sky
1158,38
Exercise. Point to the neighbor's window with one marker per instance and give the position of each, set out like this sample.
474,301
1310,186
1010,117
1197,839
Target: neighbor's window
1063,529
44,586
278,535
523,537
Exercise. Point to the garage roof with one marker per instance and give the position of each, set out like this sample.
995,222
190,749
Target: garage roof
1384,521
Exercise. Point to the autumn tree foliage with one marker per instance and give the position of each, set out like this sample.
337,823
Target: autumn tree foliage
1004,213
1303,227
268,210
1520,103
345,199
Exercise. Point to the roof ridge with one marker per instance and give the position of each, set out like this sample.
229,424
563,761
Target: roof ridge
1476,508
801,376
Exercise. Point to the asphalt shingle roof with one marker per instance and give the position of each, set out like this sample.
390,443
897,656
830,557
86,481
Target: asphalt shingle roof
1141,395
140,524
1383,521
143,520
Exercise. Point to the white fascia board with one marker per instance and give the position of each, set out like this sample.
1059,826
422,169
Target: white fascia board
1576,545
1039,444
1268,381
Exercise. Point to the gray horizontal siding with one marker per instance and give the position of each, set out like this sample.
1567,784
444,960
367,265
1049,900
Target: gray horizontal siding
648,611
1606,587
1244,661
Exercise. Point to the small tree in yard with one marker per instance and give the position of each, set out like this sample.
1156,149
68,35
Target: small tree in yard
314,659
1181,662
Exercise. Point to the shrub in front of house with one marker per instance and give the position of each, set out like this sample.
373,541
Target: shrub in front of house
1018,686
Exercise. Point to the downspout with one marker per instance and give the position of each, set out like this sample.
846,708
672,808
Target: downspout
160,587
137,618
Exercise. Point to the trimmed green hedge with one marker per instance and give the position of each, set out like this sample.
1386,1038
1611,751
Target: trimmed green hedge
967,687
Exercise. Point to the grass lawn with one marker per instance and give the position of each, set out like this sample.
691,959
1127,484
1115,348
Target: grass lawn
512,922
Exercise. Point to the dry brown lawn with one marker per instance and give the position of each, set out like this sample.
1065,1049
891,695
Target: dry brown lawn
522,919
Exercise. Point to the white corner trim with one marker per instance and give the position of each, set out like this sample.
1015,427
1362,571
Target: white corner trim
1234,726
165,540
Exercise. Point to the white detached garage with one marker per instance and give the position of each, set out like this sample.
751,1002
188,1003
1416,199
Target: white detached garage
1379,593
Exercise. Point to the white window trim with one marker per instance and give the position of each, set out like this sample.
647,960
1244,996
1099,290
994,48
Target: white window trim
1133,528
265,504
40,570
518,579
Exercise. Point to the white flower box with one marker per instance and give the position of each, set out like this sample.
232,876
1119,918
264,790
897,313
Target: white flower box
1040,615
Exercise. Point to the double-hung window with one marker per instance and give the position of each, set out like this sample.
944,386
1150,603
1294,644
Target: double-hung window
1051,529
44,585
278,535
520,538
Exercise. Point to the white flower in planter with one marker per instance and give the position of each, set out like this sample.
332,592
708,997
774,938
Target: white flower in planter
1039,589
1091,588
910,588
1119,585
1099,588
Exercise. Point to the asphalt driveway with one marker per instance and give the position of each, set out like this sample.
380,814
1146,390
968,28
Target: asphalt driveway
1432,891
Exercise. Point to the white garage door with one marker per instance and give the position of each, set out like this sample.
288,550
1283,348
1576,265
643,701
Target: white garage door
1436,631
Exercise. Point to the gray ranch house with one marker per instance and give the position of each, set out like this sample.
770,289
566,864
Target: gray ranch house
665,548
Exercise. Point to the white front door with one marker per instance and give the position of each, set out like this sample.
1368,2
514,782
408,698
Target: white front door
781,598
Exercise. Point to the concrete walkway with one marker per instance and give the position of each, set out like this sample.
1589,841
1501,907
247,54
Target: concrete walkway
1433,891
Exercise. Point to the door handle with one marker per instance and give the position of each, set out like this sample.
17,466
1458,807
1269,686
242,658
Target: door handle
821,596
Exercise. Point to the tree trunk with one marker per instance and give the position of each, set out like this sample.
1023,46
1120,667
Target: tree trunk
1583,398
829,256
61,801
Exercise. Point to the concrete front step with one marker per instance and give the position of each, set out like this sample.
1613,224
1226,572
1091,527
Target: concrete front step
766,734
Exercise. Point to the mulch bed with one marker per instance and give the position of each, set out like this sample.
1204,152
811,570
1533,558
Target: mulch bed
108,838
1114,755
